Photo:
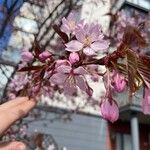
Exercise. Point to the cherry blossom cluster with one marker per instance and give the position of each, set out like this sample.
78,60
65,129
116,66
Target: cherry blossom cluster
135,19
84,43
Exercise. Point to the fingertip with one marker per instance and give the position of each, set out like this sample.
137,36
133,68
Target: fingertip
21,98
15,145
20,146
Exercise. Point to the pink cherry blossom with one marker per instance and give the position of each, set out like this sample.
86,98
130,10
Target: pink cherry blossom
134,19
89,39
70,79
118,82
36,88
26,56
73,57
109,110
146,101
16,85
61,62
69,24
94,72
51,147
44,55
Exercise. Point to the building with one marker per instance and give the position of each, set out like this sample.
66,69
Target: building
82,130
131,132
58,125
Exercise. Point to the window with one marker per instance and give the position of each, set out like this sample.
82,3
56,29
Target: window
123,141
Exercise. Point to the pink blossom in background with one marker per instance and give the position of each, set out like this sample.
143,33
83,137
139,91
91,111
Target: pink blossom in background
89,38
134,19
16,84
109,110
47,91
73,57
118,82
23,131
51,147
35,88
11,96
26,56
146,101
70,79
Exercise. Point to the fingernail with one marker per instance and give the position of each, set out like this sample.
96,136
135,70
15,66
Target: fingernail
21,147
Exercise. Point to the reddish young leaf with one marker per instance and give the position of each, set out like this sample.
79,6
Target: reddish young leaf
144,69
128,66
61,34
36,49
132,36
30,68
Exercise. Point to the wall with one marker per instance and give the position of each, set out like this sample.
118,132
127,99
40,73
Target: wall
82,133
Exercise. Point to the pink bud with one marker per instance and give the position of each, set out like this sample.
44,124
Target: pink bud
36,88
44,55
26,56
109,110
73,57
118,82
12,96
146,101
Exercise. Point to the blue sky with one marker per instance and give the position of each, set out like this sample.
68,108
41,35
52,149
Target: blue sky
4,39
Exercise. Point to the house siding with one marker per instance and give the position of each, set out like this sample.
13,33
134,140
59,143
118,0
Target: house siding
81,133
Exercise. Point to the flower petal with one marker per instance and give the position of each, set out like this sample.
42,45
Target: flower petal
64,69
81,83
69,89
100,45
109,110
94,32
74,46
71,17
80,71
62,62
65,27
58,78
80,34
89,51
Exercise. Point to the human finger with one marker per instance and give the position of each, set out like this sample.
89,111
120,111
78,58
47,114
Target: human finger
13,103
15,145
9,116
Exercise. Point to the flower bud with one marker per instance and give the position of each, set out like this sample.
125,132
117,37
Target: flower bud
44,55
26,56
109,110
73,57
36,88
118,82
